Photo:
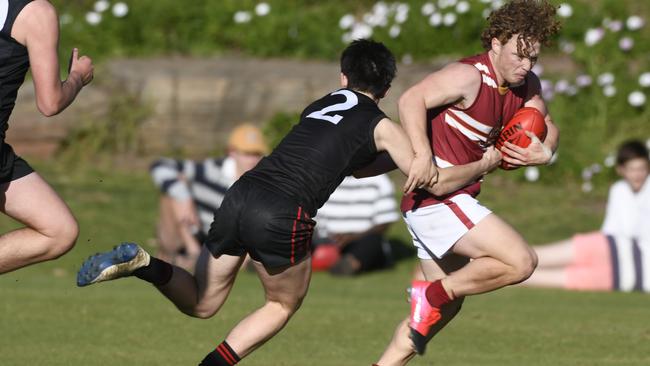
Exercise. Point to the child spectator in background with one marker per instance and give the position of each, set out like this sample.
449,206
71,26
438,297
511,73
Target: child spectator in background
618,256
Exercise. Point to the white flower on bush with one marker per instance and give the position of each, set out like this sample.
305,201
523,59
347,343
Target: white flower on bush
561,86
380,8
531,173
587,187
609,91
593,36
402,15
587,174
347,37
571,90
435,19
486,13
407,59
449,19
565,10
644,79
496,4
634,22
462,7
346,21
596,168
394,31
636,98
583,81
262,9
538,69
548,94
626,44
605,78
101,6
242,17
361,31
546,84
446,3
93,18
120,9
567,47
615,26
610,160
428,9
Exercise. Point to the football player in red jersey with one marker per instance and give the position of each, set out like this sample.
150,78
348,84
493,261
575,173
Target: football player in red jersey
451,117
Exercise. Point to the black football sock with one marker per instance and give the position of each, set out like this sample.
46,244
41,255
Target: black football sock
223,355
157,272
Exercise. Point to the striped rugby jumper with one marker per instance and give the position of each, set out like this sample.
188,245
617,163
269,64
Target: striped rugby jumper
205,182
630,263
460,136
358,205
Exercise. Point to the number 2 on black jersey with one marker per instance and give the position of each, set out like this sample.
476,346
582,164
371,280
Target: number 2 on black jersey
350,101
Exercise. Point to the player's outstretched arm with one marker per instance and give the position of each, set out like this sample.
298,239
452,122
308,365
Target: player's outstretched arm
449,85
454,178
37,27
390,137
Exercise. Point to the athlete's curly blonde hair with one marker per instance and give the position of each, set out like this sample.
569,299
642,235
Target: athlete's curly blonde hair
532,20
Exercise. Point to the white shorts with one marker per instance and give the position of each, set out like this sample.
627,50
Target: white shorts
438,227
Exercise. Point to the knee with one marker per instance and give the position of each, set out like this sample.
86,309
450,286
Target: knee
285,308
524,266
63,237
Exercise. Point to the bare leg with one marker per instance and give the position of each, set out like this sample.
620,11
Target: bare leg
285,289
51,229
547,277
559,254
400,350
501,257
203,294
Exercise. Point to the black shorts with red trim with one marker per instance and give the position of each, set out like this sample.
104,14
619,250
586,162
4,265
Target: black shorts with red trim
12,166
267,225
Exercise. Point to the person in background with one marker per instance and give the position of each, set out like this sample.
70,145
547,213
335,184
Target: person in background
618,256
192,191
355,219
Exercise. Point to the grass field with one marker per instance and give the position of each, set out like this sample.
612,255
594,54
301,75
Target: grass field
46,320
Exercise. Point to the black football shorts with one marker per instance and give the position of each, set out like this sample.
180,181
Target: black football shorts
12,167
267,225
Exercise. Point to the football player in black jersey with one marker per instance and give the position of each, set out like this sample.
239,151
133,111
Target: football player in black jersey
268,212
29,35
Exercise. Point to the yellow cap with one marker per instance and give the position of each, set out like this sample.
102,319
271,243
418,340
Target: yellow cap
247,138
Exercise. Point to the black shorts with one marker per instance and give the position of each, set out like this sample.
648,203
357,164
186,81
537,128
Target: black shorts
12,167
267,225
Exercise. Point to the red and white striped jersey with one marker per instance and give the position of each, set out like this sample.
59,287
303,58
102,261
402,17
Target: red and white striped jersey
460,136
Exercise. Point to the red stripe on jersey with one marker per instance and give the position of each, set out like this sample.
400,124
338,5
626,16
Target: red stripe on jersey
456,118
223,351
460,214
293,236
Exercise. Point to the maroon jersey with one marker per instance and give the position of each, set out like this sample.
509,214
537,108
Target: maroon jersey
460,136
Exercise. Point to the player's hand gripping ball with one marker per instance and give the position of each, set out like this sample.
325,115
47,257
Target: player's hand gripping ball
525,119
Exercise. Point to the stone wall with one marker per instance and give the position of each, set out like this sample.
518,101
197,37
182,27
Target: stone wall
194,102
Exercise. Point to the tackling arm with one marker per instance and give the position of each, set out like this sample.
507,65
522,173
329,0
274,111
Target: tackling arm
452,84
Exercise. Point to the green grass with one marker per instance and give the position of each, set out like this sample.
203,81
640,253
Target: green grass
45,319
